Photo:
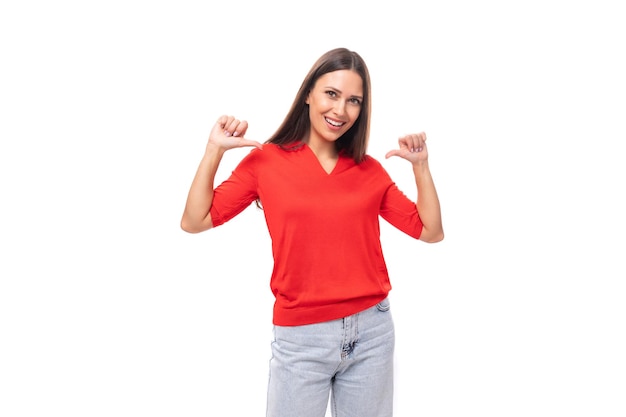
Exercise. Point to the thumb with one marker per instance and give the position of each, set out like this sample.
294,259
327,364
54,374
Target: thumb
394,152
248,142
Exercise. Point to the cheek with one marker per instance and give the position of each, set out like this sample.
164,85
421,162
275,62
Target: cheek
317,104
354,113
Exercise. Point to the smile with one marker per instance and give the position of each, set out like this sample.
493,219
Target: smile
334,123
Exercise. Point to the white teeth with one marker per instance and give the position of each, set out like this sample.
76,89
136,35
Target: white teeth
332,122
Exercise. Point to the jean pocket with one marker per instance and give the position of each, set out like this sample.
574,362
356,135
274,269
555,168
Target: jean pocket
383,305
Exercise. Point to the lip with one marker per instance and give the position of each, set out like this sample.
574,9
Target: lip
333,124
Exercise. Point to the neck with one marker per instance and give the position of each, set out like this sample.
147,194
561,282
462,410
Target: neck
323,149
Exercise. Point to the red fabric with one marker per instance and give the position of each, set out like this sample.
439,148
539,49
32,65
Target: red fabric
328,260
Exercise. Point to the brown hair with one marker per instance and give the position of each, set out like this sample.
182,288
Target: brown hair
296,125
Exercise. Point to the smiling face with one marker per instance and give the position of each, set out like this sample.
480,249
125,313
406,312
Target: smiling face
334,105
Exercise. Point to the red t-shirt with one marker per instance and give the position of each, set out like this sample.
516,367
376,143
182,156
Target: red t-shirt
325,231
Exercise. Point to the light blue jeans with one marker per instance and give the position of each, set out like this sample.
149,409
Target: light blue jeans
350,359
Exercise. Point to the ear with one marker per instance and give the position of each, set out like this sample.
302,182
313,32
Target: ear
307,97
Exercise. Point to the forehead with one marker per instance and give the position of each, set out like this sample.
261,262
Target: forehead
347,81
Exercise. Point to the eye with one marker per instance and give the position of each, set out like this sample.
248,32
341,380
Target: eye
355,101
331,93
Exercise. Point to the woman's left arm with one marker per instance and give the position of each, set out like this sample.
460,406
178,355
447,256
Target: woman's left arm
413,149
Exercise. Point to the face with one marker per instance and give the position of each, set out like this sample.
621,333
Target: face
334,104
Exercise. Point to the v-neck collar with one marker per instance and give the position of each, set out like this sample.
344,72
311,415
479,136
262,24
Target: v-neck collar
339,165
319,164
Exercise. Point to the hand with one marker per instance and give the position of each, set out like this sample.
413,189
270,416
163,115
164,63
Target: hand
412,148
228,132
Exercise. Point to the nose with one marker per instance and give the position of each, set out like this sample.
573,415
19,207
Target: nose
340,107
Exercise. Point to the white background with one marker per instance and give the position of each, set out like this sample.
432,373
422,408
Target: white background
108,309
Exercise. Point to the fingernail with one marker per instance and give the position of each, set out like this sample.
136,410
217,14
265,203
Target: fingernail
236,134
227,133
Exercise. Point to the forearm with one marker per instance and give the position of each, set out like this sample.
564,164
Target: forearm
428,203
196,216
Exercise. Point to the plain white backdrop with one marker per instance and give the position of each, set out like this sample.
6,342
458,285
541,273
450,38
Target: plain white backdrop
108,309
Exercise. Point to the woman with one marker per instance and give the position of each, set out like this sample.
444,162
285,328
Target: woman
322,197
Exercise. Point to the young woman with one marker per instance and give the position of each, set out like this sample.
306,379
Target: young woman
322,197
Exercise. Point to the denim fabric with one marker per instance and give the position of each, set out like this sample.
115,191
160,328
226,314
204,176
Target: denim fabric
349,360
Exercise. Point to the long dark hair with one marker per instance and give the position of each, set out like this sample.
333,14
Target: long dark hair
296,125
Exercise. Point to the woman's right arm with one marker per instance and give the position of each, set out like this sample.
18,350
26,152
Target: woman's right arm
227,133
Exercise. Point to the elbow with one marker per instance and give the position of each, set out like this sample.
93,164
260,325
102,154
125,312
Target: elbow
193,227
187,227
437,237
432,236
